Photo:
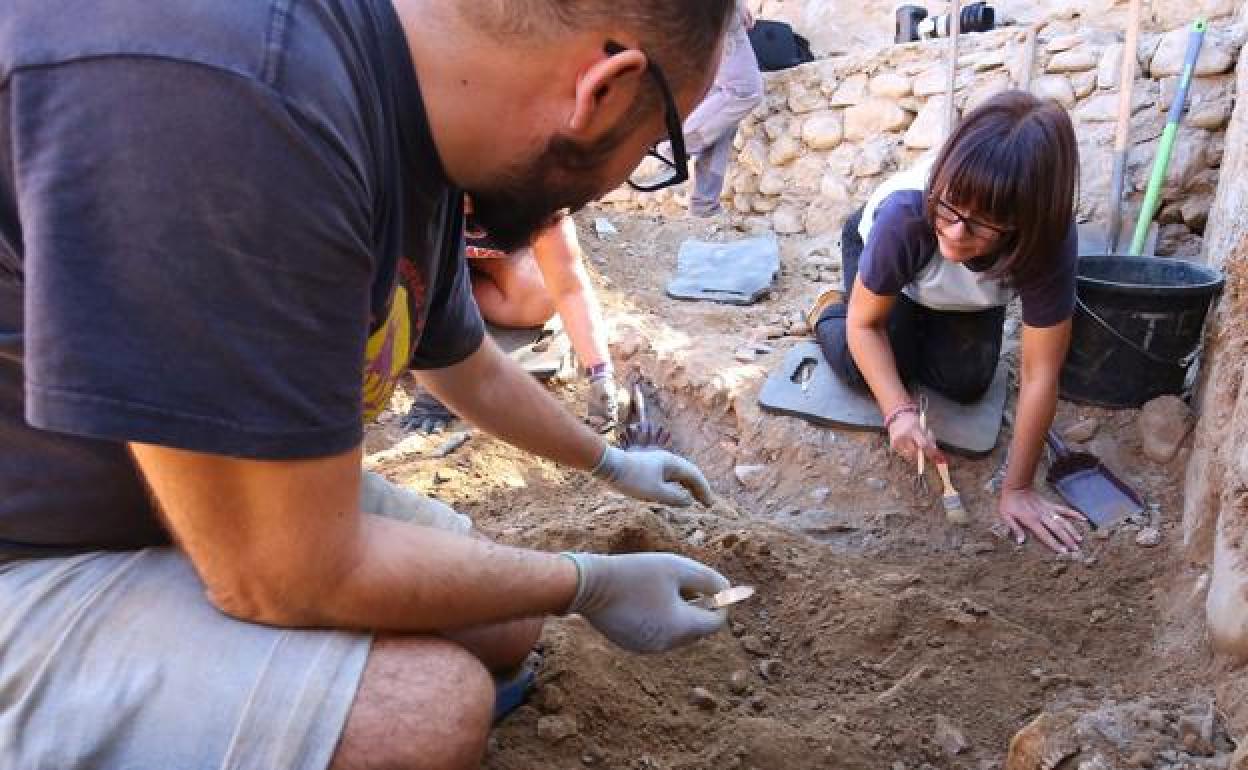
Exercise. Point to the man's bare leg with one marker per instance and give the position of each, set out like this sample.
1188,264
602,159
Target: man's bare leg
423,702
511,291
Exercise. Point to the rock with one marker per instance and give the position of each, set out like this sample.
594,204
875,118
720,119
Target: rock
1148,537
807,172
990,60
931,82
772,182
1163,424
1084,84
1209,100
1215,55
949,737
551,699
1055,87
1064,43
743,203
756,703
1082,431
745,355
803,99
772,331
823,130
873,160
749,475
754,645
1078,60
928,128
801,328
556,728
1109,70
852,91
754,156
984,89
787,219
739,682
872,117
702,698
784,151
770,669
1098,615
775,127
820,494
824,216
890,85
877,484
1140,758
832,188
1195,211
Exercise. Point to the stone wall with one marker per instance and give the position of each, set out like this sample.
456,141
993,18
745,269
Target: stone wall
837,26
830,131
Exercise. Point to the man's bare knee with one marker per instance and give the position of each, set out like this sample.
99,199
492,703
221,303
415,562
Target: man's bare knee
501,646
423,702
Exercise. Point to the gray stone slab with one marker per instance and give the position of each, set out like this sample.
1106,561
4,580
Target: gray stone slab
805,386
539,350
736,272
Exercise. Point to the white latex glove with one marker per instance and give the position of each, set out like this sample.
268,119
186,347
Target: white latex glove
653,475
637,601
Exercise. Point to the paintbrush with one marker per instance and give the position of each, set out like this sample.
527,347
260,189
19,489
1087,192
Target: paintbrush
949,497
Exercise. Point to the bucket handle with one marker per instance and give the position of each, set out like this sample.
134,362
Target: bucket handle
1182,363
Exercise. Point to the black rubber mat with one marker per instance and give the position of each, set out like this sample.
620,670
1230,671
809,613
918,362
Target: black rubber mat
805,386
736,273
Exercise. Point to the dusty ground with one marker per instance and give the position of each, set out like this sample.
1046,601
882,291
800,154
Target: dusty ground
880,637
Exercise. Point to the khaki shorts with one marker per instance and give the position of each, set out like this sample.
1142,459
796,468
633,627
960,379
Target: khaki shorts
116,660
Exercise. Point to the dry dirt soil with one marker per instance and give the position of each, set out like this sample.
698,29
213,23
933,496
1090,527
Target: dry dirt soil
880,637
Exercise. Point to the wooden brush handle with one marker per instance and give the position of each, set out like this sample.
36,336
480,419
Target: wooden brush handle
943,470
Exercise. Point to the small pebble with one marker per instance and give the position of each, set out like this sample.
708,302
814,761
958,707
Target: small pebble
754,645
757,703
556,728
739,683
877,484
1099,616
770,669
702,698
1148,537
744,355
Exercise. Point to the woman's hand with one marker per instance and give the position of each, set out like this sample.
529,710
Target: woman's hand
907,437
1054,525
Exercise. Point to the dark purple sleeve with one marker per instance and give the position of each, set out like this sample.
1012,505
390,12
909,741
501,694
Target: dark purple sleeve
1051,301
899,244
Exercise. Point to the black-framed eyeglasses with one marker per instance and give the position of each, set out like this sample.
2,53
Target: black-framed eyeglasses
975,228
658,170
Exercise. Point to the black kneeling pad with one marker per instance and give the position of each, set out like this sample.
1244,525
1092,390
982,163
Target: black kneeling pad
805,386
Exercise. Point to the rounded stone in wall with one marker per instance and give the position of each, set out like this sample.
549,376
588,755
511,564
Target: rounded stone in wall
823,130
1084,84
787,219
832,188
1055,87
852,91
823,216
772,182
928,128
806,173
873,117
1078,60
765,204
890,85
1216,54
754,156
784,151
743,202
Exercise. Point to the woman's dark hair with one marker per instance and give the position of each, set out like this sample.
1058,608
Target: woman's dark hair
1013,161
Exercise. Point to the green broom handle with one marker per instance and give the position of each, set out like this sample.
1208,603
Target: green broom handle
1152,197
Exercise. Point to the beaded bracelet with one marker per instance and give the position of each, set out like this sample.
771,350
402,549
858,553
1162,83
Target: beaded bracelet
907,407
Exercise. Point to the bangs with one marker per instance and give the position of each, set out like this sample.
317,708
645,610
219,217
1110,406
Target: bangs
987,179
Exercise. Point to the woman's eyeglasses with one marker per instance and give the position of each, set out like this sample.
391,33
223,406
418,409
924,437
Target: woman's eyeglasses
947,215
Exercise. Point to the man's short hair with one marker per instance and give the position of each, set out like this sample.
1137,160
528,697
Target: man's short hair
682,36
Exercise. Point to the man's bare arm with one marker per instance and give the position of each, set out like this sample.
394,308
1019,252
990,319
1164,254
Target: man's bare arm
284,543
496,394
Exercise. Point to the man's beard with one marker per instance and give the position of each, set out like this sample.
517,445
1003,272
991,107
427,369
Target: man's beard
532,195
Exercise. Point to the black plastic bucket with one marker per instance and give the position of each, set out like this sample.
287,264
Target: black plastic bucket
1137,328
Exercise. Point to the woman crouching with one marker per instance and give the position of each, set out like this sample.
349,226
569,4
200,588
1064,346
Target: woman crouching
931,262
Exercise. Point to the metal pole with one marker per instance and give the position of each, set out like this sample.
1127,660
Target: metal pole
955,28
1029,59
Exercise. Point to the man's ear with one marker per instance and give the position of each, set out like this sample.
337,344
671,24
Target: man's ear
605,91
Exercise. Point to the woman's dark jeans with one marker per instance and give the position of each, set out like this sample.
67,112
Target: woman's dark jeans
953,352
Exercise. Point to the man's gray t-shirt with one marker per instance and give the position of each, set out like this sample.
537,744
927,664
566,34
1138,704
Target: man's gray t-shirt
204,207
